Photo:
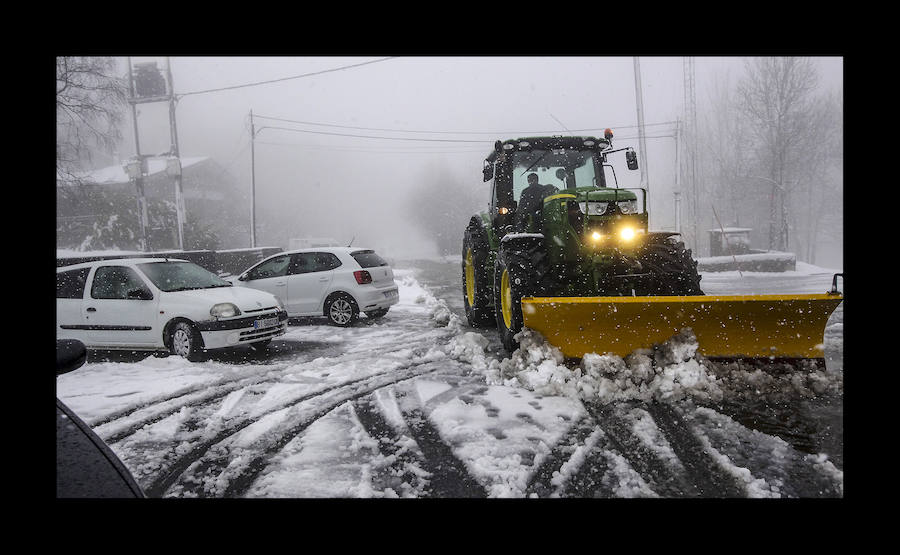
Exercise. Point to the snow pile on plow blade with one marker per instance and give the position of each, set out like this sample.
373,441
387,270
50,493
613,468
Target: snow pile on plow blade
726,326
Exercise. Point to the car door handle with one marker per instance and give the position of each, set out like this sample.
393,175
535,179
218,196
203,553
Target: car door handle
91,309
323,279
280,283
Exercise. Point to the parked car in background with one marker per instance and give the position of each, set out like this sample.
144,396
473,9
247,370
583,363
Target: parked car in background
335,282
85,466
161,304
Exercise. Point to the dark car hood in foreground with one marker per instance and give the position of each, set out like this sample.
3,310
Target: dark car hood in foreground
85,466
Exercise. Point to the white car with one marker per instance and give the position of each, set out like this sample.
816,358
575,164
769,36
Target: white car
335,282
158,304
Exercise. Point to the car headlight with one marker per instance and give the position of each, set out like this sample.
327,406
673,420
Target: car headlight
224,310
628,206
279,304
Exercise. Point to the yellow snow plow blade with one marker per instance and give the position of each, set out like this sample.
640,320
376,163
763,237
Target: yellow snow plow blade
726,326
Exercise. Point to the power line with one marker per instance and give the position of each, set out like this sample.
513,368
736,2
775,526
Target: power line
370,151
372,137
283,78
492,133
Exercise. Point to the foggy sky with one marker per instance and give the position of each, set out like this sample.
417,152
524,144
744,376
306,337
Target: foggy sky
340,186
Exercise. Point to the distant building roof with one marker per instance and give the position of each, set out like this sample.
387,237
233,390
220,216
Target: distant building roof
116,174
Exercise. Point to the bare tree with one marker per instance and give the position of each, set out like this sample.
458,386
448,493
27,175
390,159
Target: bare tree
777,96
90,103
727,152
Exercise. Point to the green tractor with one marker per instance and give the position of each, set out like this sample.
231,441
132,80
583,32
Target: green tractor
581,237
570,255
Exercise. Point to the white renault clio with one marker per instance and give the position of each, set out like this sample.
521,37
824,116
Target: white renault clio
335,282
157,304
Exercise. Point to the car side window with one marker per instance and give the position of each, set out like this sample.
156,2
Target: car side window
114,282
70,284
326,261
275,267
303,263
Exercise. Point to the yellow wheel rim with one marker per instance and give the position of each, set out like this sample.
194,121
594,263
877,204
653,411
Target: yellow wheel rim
470,279
506,299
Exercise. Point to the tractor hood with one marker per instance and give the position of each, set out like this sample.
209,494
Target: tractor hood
601,194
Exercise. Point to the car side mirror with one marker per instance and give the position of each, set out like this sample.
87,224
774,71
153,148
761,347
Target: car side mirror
140,295
71,354
631,159
242,277
488,171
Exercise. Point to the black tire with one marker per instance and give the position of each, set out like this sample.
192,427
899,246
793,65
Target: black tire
478,294
673,267
375,314
260,346
517,260
185,341
341,310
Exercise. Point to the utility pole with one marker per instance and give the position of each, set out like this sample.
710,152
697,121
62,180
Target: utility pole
252,183
150,86
173,165
639,101
136,168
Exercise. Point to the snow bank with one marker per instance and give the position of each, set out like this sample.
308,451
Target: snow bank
670,372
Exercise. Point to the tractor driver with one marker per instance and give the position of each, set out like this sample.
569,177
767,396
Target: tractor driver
531,204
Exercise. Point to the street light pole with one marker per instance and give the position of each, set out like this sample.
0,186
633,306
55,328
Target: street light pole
252,183
639,101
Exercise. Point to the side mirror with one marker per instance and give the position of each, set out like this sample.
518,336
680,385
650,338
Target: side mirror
631,159
71,354
488,171
140,295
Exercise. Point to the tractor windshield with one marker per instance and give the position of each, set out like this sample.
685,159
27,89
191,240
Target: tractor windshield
562,168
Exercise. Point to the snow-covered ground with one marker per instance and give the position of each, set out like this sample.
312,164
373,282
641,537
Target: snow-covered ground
418,404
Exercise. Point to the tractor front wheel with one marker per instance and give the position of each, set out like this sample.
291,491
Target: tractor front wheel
514,278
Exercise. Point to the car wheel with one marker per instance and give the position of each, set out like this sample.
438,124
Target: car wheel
374,314
260,346
185,342
341,310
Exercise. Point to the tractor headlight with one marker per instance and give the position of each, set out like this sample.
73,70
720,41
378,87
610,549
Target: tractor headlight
224,310
597,236
627,233
628,206
594,208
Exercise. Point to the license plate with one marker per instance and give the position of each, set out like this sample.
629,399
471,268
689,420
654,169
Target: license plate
389,294
265,323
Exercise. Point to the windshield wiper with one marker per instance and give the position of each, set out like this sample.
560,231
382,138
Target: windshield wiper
182,289
219,285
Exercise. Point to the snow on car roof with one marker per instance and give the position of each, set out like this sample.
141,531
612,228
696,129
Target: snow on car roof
118,261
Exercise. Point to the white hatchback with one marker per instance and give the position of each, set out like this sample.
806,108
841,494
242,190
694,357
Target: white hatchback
335,282
156,304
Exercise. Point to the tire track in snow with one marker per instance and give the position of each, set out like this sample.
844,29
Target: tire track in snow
206,397
402,465
662,478
702,470
211,460
542,479
450,477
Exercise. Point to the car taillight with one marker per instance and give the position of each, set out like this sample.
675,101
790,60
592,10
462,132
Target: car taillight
362,277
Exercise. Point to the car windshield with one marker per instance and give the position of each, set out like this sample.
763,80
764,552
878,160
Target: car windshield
181,276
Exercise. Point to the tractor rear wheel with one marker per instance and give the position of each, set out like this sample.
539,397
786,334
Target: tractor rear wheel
478,296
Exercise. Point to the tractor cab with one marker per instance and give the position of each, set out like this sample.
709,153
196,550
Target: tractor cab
570,169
